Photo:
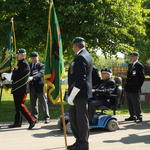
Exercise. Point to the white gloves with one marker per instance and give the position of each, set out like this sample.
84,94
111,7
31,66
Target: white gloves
7,76
70,101
65,81
72,95
30,78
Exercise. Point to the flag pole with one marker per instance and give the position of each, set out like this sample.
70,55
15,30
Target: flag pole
61,99
63,118
13,30
14,41
1,92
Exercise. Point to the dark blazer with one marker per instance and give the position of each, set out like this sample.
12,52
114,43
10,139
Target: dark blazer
80,74
19,72
107,87
38,77
135,78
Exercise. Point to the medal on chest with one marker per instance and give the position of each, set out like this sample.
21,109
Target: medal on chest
134,72
71,67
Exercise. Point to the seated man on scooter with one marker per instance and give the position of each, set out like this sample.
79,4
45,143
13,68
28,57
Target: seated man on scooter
102,93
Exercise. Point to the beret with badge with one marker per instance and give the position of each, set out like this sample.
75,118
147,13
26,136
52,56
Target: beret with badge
134,54
21,51
78,40
34,54
106,70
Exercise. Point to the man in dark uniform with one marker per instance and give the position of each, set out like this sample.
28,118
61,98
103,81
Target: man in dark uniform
135,79
37,87
80,89
20,77
102,97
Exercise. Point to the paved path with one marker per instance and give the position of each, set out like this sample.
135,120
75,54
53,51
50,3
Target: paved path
48,137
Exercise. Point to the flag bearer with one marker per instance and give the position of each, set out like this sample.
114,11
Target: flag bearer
20,77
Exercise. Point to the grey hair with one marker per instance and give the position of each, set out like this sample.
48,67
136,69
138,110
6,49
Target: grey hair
81,44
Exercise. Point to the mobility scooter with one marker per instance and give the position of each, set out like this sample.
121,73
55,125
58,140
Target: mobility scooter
100,119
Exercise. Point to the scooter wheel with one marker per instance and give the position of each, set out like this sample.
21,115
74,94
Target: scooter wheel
68,128
112,125
59,124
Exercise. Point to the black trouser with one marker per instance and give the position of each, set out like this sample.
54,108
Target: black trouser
34,97
93,106
19,99
134,105
79,123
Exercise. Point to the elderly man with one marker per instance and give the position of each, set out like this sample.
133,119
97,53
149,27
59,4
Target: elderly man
19,90
105,87
37,87
80,89
134,82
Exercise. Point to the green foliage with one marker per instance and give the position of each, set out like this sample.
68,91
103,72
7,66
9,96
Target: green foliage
125,48
112,25
143,44
102,62
103,23
30,18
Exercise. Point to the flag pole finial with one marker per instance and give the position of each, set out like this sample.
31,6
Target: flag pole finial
12,20
49,1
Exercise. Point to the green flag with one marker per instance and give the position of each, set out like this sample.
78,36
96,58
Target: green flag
7,51
54,64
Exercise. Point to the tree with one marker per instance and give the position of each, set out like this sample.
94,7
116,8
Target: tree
103,23
30,18
143,44
112,25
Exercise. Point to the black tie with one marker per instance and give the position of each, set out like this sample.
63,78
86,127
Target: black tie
33,66
131,66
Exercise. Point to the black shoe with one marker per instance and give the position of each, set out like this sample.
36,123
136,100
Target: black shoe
70,147
138,120
80,147
36,121
14,126
130,119
32,124
74,148
47,120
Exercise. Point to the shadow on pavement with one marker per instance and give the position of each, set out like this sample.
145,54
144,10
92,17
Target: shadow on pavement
139,126
5,128
49,127
98,131
132,139
54,133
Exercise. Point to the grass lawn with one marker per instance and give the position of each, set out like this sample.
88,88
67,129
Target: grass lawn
7,109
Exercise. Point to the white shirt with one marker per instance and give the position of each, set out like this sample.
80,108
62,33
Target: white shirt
134,62
79,51
34,65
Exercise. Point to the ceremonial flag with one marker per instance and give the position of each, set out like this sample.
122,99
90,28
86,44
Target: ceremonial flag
54,64
7,51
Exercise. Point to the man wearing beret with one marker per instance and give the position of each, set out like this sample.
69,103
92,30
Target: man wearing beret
105,86
134,82
37,87
80,89
20,77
